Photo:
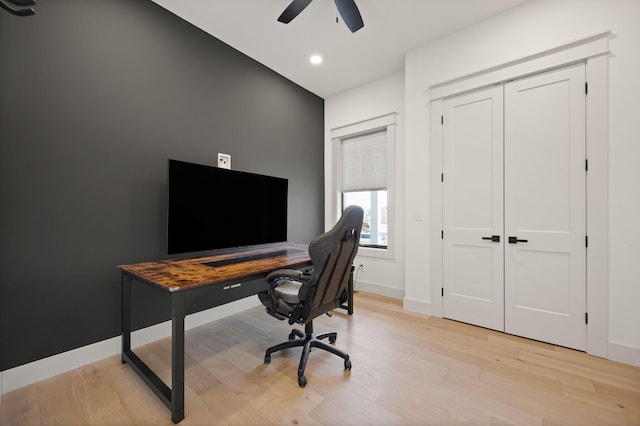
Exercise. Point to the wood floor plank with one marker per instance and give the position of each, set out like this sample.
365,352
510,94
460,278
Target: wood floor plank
20,407
140,403
96,398
57,404
408,369
570,366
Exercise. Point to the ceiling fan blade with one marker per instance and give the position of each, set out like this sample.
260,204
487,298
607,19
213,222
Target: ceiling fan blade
23,2
293,10
350,14
17,12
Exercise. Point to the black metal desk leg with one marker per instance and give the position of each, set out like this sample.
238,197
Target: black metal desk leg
349,305
177,356
350,291
126,315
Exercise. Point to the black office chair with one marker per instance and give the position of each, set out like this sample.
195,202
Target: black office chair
302,296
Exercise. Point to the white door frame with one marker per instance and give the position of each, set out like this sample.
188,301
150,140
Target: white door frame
594,51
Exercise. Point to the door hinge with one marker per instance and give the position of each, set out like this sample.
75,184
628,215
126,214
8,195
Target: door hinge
586,88
442,119
441,177
586,164
586,241
586,317
442,291
442,234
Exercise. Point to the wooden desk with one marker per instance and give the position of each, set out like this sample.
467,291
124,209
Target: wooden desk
223,277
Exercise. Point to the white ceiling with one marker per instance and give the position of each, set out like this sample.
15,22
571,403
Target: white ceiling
391,28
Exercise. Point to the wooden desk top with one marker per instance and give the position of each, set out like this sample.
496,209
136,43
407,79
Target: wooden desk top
181,274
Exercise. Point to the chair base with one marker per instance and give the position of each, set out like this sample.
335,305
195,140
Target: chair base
308,340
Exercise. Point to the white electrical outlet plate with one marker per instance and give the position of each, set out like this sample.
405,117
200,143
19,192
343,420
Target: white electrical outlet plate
224,161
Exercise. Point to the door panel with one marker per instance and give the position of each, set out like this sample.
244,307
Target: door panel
543,273
473,192
545,281
472,270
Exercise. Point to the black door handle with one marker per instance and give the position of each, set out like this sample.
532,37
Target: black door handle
515,240
494,238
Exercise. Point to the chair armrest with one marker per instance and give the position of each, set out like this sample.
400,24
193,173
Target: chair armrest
284,273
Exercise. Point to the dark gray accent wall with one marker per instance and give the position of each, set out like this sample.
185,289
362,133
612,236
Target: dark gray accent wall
95,96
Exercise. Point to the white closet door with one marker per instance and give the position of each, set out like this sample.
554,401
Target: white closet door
545,278
473,213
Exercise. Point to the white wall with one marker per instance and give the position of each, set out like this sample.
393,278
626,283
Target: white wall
384,96
533,27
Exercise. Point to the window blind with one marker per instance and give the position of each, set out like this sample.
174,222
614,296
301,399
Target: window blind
364,162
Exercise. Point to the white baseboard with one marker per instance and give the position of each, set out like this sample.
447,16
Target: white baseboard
418,306
625,354
382,290
33,372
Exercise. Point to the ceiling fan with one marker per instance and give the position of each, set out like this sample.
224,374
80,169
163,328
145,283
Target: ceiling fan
347,8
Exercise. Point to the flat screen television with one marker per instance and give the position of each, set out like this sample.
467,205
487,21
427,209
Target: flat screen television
213,208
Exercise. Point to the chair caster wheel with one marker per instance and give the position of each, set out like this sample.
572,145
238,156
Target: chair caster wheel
267,359
347,364
332,339
292,335
302,381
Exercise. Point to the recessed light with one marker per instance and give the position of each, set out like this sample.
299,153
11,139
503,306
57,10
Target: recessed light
315,59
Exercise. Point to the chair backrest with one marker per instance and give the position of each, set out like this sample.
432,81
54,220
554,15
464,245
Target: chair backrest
332,254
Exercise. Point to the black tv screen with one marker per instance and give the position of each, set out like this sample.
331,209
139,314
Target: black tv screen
212,208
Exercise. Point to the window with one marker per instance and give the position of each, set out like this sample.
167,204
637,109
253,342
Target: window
364,183
364,176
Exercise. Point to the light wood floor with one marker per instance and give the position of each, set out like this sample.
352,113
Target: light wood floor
408,369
